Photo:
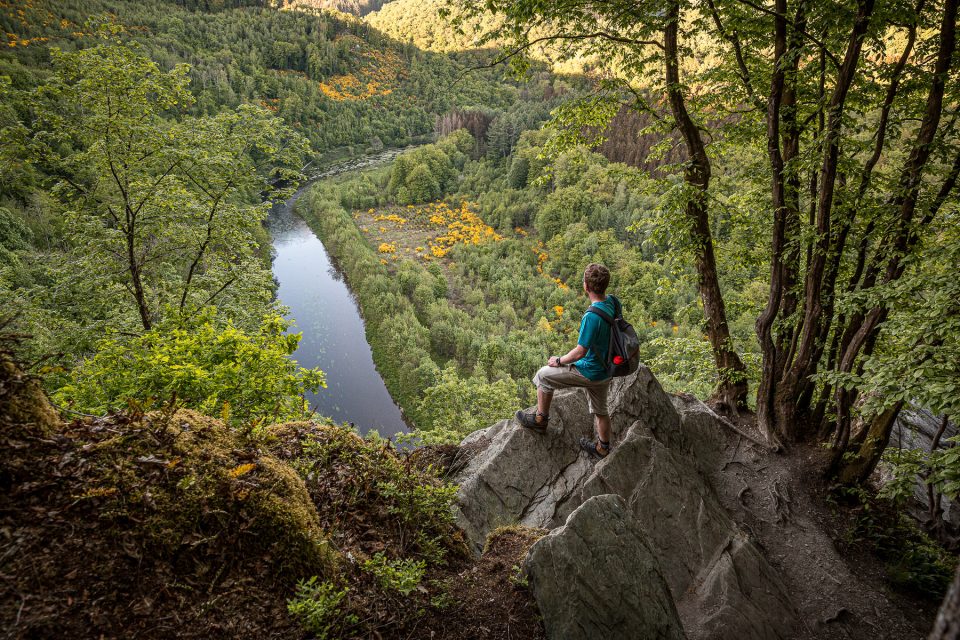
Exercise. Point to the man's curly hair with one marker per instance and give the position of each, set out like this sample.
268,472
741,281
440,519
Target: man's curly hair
597,277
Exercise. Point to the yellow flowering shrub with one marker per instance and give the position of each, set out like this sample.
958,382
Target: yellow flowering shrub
378,72
392,217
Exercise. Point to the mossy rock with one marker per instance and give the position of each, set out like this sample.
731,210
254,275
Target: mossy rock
24,408
202,494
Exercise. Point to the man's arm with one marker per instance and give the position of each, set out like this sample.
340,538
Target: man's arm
570,357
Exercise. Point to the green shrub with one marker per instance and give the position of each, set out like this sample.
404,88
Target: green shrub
402,576
316,606
457,406
212,369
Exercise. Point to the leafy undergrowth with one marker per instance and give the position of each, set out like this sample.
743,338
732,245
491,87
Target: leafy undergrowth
171,524
913,562
408,572
488,598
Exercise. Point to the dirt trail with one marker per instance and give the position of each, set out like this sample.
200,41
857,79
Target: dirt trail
836,595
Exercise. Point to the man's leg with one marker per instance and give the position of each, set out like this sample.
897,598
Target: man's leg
545,384
544,398
603,428
597,403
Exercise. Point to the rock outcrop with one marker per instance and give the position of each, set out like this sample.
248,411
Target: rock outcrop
916,428
596,577
720,582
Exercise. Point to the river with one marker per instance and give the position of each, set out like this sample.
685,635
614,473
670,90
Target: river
324,309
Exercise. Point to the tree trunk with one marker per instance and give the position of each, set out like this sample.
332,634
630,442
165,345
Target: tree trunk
934,498
771,365
790,358
857,468
732,389
864,330
133,265
947,624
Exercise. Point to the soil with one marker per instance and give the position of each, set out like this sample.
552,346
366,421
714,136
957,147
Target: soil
80,561
839,587
69,570
488,598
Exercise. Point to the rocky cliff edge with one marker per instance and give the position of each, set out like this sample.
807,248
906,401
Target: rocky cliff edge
658,539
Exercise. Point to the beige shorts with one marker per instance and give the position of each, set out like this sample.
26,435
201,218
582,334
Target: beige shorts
563,377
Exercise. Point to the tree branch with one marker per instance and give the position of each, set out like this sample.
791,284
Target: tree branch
599,35
836,61
734,40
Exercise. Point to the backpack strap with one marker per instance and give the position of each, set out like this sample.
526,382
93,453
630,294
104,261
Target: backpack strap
600,312
610,321
617,311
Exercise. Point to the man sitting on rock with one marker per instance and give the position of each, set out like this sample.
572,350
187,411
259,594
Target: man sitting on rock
583,366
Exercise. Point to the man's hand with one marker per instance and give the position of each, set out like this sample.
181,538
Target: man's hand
553,361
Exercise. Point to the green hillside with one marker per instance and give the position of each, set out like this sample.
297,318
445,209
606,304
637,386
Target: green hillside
330,87
335,80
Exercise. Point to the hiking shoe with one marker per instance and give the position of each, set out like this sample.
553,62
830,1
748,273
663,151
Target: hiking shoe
529,421
596,448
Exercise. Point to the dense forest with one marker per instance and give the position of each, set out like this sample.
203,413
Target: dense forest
772,186
220,128
484,303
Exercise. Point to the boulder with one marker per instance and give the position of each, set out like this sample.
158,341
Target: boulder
664,451
596,577
510,475
667,496
738,596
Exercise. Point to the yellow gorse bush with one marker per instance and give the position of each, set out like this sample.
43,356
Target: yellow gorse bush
379,71
461,225
392,217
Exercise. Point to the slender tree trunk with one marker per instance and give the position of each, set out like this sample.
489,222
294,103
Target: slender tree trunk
133,265
897,244
790,360
875,440
771,365
947,624
816,288
934,510
732,389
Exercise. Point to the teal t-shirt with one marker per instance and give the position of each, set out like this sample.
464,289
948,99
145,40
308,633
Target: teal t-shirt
595,336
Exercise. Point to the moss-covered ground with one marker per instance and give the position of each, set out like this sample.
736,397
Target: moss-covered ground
170,524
